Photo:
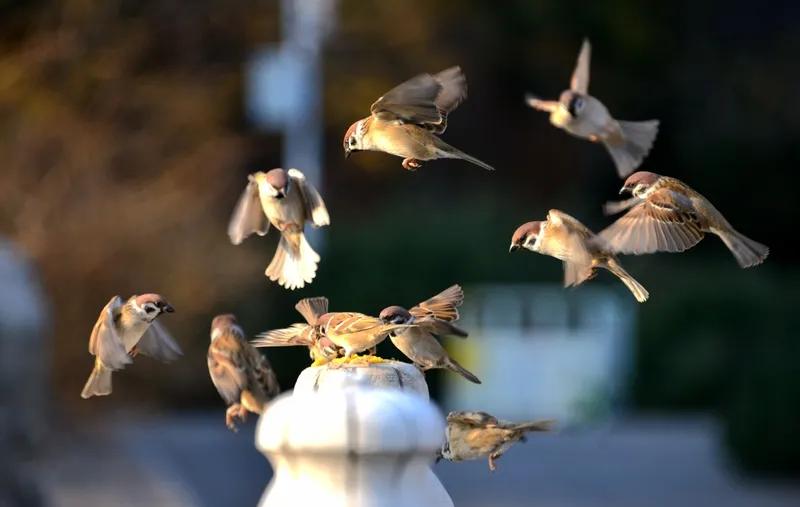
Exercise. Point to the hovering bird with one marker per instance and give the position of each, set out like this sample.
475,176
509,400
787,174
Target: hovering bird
407,120
565,238
123,330
321,349
432,318
475,435
242,376
584,116
286,200
667,216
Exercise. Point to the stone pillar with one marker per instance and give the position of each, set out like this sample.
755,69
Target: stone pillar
354,436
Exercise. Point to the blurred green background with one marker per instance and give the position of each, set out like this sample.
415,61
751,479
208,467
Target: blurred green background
125,146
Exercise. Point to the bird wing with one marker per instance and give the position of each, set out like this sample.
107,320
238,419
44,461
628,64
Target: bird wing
481,419
580,76
571,246
228,372
665,222
312,201
157,343
354,324
248,216
424,100
312,308
105,342
547,106
295,335
261,372
442,306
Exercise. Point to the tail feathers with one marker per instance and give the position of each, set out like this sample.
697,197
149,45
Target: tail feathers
637,139
293,265
99,383
451,152
748,253
453,365
312,308
540,425
639,292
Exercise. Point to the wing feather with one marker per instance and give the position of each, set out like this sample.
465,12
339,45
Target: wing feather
157,343
580,76
105,342
315,208
248,216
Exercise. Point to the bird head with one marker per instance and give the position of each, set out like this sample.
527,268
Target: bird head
354,137
150,306
525,236
639,182
572,102
277,183
395,315
225,322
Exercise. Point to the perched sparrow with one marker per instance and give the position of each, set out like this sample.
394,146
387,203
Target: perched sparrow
242,376
667,216
286,200
565,238
124,329
356,332
584,116
406,121
474,435
321,349
432,318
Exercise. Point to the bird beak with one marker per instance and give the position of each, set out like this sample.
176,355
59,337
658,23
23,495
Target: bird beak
624,189
513,247
168,308
281,194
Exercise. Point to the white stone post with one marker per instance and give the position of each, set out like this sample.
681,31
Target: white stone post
354,436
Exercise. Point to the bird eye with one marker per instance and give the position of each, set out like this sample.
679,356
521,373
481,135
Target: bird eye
352,141
150,309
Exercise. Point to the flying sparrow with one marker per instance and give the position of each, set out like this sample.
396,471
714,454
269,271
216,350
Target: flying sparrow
321,349
242,376
124,329
565,238
407,120
584,116
667,216
474,435
286,200
432,318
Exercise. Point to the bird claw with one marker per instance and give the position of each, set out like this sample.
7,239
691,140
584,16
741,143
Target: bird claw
411,164
234,412
134,351
492,464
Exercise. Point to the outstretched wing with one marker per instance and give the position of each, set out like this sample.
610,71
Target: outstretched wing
295,335
442,306
248,216
157,343
481,419
424,100
580,76
312,201
664,222
105,342
572,246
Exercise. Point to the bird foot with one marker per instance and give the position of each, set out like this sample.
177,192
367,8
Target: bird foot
411,164
134,351
492,464
235,411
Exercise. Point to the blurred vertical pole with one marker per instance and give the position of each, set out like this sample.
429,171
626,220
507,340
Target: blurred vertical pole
284,88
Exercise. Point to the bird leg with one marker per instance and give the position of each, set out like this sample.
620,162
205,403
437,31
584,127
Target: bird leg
411,164
235,411
134,351
492,458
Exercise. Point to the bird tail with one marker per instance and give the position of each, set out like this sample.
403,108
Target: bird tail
635,143
540,425
294,263
453,365
748,253
447,151
639,292
312,308
99,383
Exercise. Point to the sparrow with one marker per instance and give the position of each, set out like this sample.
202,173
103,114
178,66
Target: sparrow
474,435
356,332
407,120
584,116
666,215
242,376
321,349
287,201
565,238
123,330
432,318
